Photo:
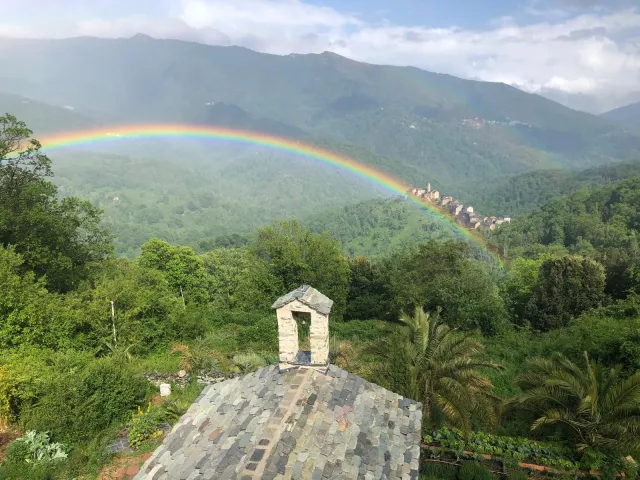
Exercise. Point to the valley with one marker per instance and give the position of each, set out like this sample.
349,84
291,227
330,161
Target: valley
186,205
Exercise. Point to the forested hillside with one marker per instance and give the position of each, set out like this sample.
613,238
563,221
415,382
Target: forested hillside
523,193
450,130
483,345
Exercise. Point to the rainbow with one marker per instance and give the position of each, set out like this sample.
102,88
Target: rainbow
374,176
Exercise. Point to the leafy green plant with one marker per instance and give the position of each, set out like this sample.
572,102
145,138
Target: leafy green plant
512,450
143,426
35,447
427,360
593,406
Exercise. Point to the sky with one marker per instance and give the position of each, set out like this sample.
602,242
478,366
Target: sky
584,53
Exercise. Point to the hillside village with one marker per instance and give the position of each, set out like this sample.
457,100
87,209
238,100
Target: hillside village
463,215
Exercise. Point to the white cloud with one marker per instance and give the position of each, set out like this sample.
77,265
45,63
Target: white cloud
589,52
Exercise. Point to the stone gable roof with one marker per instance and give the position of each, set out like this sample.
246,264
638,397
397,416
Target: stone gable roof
311,297
294,424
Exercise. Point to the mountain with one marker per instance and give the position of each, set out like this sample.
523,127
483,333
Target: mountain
524,193
43,118
448,130
628,116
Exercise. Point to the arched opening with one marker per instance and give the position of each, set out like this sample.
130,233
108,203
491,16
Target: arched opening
303,322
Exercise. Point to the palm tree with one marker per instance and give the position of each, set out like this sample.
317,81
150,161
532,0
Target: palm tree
595,407
426,360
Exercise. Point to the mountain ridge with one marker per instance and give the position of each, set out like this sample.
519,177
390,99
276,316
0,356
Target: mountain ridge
448,128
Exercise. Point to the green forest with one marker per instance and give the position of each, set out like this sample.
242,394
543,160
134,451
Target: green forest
531,357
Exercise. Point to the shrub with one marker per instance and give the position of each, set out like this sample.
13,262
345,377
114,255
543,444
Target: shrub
80,402
29,471
261,335
248,362
518,475
440,471
474,471
18,451
196,357
144,426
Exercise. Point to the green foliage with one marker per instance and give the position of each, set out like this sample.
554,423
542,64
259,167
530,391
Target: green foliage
197,356
143,426
35,447
27,471
83,398
439,471
600,223
184,270
249,361
516,448
426,360
377,228
523,193
517,475
594,407
238,280
474,471
442,275
368,295
566,287
60,240
147,311
296,256
518,287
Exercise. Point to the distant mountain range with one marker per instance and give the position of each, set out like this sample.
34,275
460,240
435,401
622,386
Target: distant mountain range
451,131
487,144
628,116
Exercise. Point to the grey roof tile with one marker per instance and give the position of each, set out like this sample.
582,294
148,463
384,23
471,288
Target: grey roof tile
336,425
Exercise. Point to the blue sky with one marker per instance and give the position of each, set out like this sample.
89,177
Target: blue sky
585,53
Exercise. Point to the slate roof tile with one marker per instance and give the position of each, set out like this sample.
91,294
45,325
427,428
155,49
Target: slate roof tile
336,425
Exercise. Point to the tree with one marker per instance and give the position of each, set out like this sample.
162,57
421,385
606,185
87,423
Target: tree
60,240
595,407
567,287
297,257
147,310
428,361
240,280
368,295
443,275
183,268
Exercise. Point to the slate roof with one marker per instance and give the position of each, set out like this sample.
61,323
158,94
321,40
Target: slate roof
298,424
309,296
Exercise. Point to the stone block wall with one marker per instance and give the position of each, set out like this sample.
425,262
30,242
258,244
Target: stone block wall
288,333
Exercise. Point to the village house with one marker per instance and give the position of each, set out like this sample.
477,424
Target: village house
464,215
303,418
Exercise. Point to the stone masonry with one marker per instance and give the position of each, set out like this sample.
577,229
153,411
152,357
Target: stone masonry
303,300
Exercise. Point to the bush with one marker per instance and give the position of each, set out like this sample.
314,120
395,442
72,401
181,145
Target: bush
29,471
518,475
440,471
80,402
474,471
18,451
249,362
144,426
262,335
